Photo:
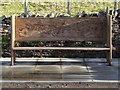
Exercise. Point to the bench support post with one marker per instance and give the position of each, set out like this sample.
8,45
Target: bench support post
12,57
13,40
109,39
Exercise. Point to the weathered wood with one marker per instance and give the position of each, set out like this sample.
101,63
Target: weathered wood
13,40
66,29
13,31
60,48
109,39
12,57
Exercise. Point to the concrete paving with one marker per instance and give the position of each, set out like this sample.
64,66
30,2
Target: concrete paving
101,72
60,69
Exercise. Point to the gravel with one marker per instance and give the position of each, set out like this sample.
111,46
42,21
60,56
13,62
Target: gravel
60,85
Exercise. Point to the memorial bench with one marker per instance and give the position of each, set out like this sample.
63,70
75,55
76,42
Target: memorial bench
62,29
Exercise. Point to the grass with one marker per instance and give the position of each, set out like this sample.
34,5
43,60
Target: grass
42,8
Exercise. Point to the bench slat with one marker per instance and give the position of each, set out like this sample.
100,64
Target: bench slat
59,48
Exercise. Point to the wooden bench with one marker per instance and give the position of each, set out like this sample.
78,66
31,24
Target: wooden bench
62,29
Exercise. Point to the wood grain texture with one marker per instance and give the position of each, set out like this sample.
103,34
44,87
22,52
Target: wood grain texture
13,31
66,29
61,48
109,39
13,40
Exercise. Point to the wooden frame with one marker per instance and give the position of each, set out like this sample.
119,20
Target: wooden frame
109,39
13,40
107,34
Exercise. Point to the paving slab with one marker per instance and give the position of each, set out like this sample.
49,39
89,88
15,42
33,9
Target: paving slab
48,69
5,63
17,73
21,69
48,59
42,76
90,60
72,59
101,71
43,59
60,69
75,71
5,69
21,59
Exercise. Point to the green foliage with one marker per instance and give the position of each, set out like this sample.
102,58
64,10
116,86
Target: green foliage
11,8
43,8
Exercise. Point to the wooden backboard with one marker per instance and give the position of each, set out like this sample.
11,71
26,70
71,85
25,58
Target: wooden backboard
66,29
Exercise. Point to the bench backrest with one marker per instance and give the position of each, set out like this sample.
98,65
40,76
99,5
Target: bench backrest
66,29
62,29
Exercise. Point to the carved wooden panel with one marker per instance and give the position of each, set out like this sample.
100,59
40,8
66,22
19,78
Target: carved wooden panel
68,29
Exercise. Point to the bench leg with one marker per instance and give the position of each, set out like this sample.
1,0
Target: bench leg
109,58
12,57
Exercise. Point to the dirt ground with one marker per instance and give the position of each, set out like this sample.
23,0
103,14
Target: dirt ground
61,85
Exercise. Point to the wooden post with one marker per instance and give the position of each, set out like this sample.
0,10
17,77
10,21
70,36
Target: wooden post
109,39
12,57
13,40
